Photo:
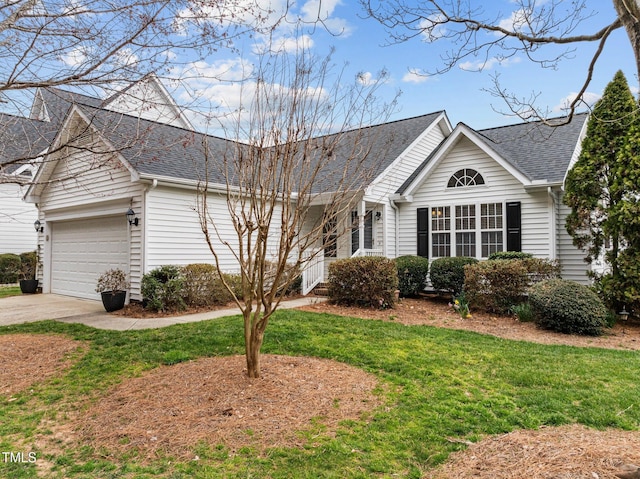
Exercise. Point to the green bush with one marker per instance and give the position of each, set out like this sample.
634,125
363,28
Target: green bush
365,281
447,274
567,307
498,285
9,268
412,274
162,289
203,287
510,255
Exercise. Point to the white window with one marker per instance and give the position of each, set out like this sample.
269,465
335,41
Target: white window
465,177
471,222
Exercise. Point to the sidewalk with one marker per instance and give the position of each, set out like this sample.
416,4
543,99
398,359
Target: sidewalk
30,308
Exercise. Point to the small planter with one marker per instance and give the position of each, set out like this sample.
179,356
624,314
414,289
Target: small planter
29,286
113,300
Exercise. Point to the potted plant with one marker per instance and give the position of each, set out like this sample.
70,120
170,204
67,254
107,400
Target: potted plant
28,270
112,286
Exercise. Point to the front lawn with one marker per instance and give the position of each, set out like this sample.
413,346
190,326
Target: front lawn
6,291
442,388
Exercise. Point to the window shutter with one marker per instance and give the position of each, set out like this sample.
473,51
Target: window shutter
423,232
514,236
355,232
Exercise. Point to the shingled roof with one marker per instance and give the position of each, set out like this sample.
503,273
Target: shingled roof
160,150
541,152
22,140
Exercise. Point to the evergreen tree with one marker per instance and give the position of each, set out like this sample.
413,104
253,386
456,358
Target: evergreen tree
601,181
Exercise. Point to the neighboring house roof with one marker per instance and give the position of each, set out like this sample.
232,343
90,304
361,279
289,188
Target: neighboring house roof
21,141
534,151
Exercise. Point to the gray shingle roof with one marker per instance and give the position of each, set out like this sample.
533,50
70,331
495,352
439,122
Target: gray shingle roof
156,149
22,140
540,152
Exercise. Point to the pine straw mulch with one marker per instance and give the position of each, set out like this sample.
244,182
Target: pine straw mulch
27,359
435,311
171,409
566,452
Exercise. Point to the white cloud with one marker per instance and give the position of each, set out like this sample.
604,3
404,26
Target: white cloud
323,10
74,57
487,64
287,44
414,76
369,79
589,98
433,28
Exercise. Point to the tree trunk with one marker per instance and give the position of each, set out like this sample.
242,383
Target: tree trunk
253,354
629,13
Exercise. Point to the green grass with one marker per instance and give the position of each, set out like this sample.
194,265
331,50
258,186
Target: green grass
6,291
443,384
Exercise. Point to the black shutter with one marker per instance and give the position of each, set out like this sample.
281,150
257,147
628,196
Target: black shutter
423,232
355,232
514,235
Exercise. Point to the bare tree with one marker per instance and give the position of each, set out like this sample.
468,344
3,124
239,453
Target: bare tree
100,46
532,26
290,182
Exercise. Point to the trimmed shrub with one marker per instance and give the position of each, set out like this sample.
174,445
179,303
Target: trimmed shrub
567,307
496,286
9,268
364,281
162,289
412,274
447,274
510,255
203,287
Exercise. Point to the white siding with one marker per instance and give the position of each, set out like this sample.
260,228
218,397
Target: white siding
83,186
571,258
174,236
500,186
16,221
402,168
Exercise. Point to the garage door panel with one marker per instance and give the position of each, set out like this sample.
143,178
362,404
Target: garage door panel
82,250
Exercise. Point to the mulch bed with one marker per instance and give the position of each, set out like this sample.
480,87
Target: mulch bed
169,410
27,359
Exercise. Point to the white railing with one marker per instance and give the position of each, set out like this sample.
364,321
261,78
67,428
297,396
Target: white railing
368,252
313,272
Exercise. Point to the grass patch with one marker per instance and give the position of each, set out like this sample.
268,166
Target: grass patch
6,291
445,384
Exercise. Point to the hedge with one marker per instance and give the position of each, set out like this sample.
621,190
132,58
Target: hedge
447,274
364,281
412,274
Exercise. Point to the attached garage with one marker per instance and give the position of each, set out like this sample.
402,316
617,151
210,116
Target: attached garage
81,250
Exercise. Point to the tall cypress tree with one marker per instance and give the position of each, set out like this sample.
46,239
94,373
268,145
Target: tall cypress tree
595,185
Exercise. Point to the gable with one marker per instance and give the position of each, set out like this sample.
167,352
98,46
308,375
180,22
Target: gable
150,100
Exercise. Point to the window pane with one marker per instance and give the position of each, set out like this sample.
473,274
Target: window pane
491,243
491,216
466,217
466,244
440,245
441,218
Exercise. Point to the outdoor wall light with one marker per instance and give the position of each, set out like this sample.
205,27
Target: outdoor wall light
131,216
378,215
38,226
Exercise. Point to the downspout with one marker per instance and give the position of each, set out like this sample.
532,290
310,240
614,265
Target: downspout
397,231
143,246
553,233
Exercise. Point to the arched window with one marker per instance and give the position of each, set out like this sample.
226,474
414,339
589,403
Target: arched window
465,177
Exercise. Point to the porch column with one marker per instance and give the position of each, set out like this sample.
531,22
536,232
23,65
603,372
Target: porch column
362,211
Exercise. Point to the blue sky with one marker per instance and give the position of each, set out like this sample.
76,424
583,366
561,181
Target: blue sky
362,45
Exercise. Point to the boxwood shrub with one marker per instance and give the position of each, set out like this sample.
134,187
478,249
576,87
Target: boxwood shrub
567,307
364,281
447,274
162,289
202,286
510,255
412,274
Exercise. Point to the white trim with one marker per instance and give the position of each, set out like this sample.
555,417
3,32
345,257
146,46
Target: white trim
577,150
461,131
446,128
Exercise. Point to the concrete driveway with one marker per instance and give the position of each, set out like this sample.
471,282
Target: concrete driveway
28,308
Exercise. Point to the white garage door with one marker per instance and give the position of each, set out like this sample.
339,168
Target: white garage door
82,250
